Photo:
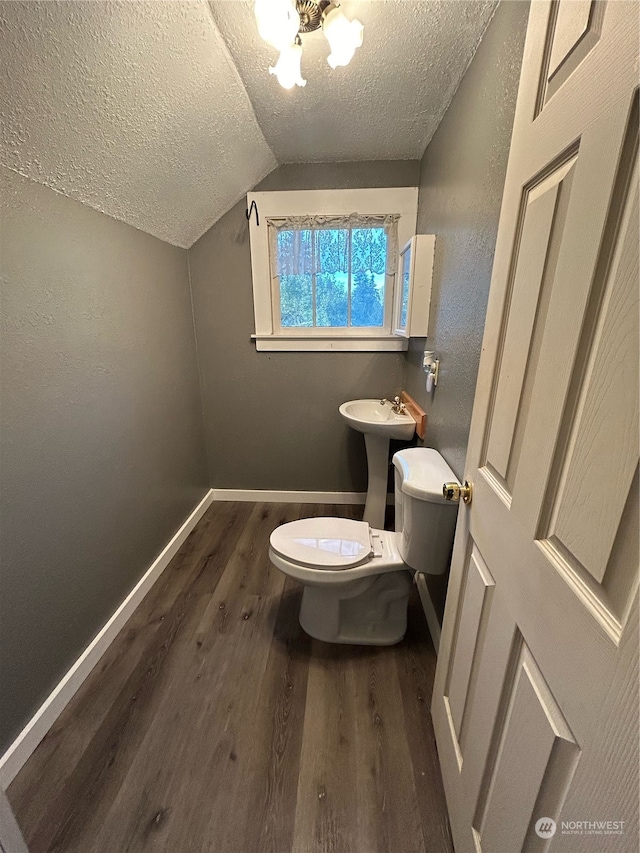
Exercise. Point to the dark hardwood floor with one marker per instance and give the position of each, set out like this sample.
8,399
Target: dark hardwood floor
213,723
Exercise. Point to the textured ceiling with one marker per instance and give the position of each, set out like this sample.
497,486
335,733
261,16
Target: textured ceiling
385,105
134,108
163,113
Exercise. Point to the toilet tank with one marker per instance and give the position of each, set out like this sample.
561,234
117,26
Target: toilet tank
424,518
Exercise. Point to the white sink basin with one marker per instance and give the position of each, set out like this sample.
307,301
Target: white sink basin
374,418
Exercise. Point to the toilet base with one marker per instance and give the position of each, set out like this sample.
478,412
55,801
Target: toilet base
369,611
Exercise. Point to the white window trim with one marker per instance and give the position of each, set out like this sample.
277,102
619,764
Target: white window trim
273,205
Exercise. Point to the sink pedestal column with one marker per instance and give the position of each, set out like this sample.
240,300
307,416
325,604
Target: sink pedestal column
377,464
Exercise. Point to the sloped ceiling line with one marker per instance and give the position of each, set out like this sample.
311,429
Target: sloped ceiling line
163,115
133,108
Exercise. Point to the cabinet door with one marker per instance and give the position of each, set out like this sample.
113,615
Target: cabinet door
402,296
413,296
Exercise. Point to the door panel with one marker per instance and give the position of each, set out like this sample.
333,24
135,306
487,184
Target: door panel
475,608
568,310
574,30
534,260
569,27
533,734
576,294
542,598
599,455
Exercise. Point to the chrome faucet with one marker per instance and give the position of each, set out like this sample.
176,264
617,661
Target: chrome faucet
397,406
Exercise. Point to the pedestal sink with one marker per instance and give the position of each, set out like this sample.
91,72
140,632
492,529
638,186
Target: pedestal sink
379,423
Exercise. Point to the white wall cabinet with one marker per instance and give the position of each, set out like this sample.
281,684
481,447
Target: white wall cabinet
413,295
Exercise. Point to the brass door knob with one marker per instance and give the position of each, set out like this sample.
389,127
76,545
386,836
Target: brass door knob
454,491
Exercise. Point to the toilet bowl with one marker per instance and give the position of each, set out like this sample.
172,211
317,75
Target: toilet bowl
356,578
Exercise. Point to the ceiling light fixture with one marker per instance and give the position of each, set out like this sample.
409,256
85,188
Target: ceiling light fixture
287,68
280,23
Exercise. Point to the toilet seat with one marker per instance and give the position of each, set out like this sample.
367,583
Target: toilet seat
355,582
315,559
324,543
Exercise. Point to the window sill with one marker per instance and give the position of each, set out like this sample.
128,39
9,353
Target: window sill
330,343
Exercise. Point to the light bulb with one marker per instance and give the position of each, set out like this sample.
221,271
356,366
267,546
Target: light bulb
344,36
287,68
278,21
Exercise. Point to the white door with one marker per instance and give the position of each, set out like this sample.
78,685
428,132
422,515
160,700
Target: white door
536,697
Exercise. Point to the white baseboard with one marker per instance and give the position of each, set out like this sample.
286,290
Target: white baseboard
270,496
429,610
37,727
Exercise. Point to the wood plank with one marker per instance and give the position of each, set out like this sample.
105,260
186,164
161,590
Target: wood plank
389,816
327,800
415,660
270,785
416,412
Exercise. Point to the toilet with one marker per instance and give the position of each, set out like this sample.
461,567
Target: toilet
357,579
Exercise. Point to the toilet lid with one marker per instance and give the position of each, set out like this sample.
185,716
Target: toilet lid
322,543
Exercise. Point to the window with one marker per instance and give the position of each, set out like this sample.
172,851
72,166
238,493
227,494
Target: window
333,272
324,276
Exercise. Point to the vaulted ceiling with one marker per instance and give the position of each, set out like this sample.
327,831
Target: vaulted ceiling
163,114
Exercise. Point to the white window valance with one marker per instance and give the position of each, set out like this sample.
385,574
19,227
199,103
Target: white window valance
328,244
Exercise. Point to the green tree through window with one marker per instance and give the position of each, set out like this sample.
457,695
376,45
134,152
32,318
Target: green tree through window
332,277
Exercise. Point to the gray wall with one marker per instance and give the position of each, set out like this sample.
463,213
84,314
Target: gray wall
102,449
461,183
271,419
